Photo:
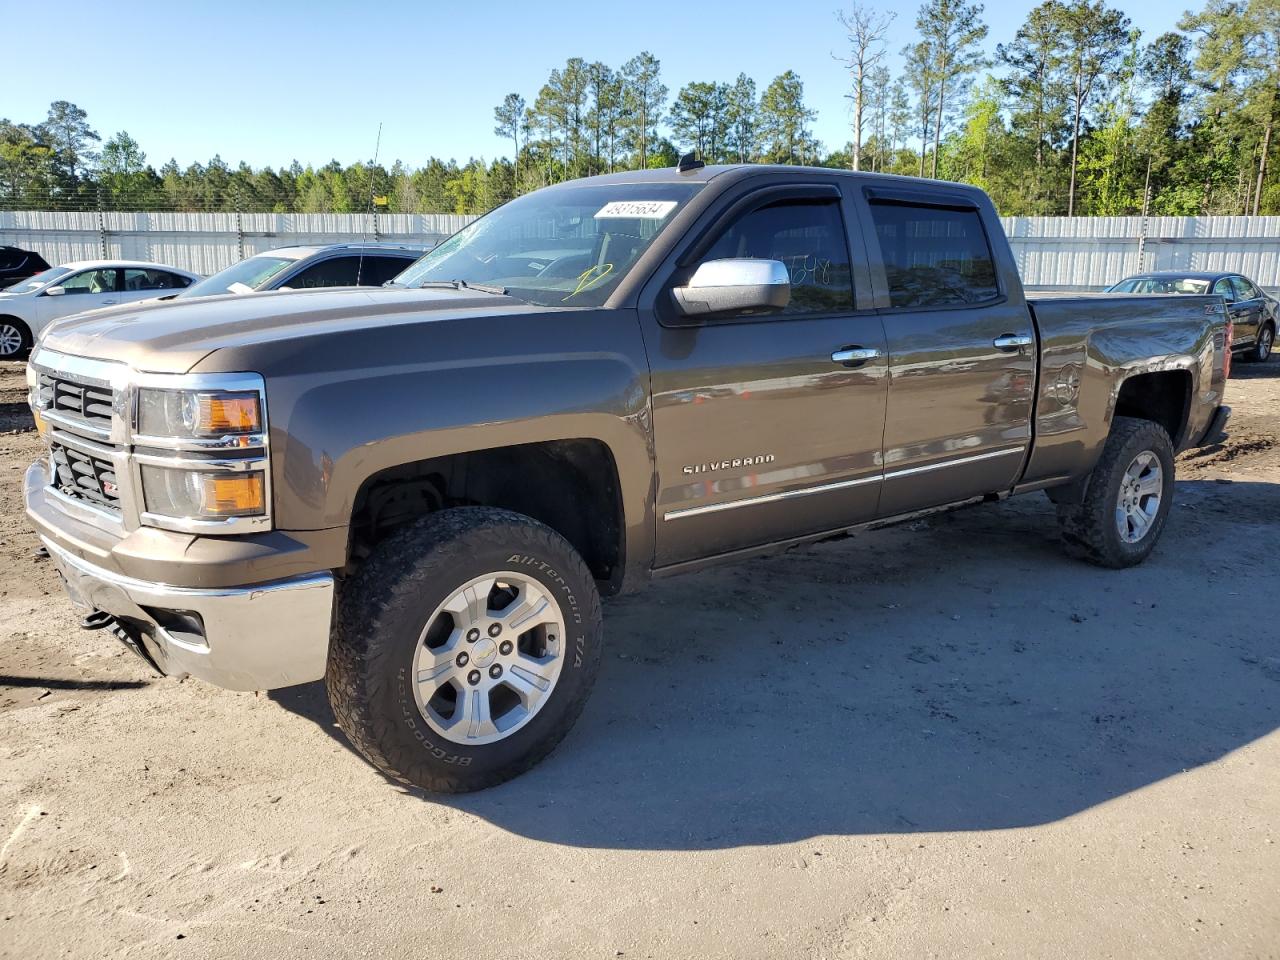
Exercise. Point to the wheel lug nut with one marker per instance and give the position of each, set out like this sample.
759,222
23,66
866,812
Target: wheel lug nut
495,629
505,647
473,677
473,635
462,659
495,671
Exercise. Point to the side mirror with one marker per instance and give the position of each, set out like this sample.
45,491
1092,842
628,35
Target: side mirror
55,291
735,286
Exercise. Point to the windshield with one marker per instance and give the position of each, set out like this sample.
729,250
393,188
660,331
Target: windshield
1161,285
570,246
251,273
39,280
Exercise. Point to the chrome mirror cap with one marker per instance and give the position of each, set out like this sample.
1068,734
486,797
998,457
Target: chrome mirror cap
739,286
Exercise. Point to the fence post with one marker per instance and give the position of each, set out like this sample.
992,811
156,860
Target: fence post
1142,231
239,238
102,227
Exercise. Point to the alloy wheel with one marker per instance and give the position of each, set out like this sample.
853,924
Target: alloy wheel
1138,503
488,658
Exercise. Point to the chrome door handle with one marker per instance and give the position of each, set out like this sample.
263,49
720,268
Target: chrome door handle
851,356
107,303
1009,341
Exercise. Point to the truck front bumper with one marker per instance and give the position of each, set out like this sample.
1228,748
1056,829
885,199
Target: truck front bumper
242,638
255,636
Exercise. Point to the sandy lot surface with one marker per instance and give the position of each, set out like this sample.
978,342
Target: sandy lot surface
946,740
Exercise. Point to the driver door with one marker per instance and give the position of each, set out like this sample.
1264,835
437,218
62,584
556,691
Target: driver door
86,290
762,432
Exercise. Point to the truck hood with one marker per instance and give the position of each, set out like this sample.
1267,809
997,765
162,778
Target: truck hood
173,336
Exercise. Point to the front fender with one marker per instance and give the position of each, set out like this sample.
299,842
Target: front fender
340,412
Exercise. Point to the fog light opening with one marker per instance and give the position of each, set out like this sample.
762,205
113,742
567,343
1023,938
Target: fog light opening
184,626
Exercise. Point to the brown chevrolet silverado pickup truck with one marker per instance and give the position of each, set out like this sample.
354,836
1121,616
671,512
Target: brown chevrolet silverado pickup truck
419,493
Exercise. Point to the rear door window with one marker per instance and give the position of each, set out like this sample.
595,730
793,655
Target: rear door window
934,256
378,270
136,279
334,272
1244,289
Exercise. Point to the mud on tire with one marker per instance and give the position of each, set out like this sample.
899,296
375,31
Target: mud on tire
382,614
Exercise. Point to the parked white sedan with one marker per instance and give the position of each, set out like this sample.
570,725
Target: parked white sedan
30,306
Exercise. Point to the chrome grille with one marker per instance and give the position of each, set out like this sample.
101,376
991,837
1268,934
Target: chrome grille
85,477
83,401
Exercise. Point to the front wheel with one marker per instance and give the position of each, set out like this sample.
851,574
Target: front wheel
1127,499
465,650
15,338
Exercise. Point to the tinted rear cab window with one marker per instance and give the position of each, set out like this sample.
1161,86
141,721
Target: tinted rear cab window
934,256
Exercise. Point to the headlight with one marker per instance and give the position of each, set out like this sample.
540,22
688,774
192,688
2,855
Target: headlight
198,414
200,444
203,495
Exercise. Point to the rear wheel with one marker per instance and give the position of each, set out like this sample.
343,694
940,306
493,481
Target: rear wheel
1127,499
15,338
465,650
1260,352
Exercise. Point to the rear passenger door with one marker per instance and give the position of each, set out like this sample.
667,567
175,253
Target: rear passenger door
1246,310
962,350
761,432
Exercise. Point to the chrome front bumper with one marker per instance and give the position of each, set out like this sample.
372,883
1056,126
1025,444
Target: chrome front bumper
254,638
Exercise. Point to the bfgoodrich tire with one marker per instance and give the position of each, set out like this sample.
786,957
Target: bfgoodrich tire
1127,499
465,649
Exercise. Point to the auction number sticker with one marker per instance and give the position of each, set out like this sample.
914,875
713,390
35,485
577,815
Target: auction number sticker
636,209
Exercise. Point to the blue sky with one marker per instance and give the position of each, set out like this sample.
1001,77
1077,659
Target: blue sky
270,82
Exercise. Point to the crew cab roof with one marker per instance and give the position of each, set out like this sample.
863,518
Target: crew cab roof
735,171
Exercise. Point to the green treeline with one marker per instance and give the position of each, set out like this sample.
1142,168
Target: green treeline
1075,112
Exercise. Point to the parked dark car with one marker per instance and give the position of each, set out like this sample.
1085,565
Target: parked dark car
1252,312
309,268
17,265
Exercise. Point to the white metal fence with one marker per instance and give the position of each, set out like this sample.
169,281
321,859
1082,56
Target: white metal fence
207,242
1091,252
1052,252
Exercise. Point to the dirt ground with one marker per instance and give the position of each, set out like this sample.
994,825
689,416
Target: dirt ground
940,740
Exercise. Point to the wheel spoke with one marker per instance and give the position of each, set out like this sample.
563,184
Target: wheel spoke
531,609
471,715
470,606
530,680
1139,521
1150,485
432,672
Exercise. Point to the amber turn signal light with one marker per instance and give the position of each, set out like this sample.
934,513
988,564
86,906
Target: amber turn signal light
228,413
233,495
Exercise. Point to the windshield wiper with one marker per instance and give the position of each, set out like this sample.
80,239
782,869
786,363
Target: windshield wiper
463,285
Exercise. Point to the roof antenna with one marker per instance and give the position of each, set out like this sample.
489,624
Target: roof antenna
372,186
689,162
